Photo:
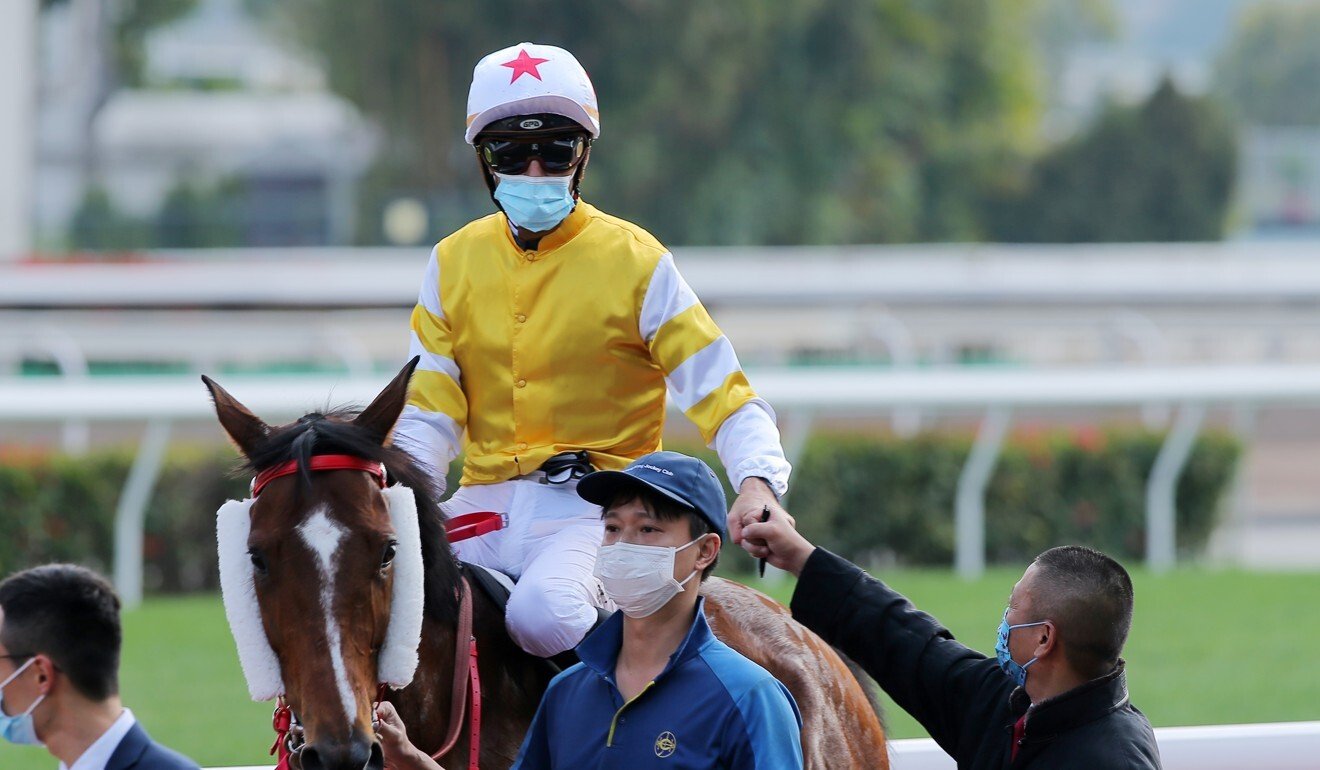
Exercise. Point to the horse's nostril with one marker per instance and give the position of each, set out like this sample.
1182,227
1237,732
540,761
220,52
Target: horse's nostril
357,755
310,759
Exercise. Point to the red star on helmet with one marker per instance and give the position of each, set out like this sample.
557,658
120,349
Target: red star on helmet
524,65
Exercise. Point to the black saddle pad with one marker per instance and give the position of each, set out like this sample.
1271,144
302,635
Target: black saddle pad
487,584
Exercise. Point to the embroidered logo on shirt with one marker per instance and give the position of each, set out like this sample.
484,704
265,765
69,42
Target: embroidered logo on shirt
666,745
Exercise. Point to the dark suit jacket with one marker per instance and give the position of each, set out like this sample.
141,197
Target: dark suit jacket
138,752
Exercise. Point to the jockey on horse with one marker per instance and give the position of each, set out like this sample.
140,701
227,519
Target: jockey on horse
549,332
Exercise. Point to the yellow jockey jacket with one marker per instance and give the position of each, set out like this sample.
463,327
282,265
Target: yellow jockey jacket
560,348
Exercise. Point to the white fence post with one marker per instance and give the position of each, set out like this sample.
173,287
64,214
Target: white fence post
969,514
1162,488
131,512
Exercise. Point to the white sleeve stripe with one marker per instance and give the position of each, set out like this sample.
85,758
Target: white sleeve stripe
437,420
433,438
429,296
703,373
666,296
430,361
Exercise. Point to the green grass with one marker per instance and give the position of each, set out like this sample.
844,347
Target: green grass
1206,648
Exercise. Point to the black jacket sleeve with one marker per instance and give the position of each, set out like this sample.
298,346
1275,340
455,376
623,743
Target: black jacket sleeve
955,692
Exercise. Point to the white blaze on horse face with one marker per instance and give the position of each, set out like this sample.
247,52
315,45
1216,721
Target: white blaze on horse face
323,537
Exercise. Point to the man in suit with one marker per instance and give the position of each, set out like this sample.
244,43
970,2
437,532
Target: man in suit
59,673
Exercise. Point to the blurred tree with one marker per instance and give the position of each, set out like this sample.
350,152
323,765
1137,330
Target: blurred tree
98,225
196,216
1270,71
739,121
1161,171
126,24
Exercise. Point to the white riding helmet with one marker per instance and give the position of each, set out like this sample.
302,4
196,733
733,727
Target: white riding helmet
528,79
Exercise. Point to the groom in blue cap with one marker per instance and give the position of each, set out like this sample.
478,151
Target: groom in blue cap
655,688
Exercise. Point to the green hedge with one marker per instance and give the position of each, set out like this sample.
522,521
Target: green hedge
887,500
871,499
59,508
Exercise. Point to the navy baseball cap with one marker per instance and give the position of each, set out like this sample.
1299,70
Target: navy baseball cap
683,479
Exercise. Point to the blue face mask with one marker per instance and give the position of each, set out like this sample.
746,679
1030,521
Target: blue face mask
19,728
535,203
1018,673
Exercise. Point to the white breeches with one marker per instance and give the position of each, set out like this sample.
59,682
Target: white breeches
550,547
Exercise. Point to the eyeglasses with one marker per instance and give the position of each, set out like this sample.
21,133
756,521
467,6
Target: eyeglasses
18,656
513,156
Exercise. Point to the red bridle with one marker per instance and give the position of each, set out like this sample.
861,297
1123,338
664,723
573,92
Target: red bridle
320,463
466,694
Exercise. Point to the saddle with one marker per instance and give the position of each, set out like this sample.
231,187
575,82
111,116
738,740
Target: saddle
497,586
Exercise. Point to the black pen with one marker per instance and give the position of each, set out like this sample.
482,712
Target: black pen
765,516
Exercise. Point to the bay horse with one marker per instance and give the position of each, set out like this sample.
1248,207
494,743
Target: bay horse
333,588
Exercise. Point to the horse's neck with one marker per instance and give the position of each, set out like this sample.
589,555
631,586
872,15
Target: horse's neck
512,684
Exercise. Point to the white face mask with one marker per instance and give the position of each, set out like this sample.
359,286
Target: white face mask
639,579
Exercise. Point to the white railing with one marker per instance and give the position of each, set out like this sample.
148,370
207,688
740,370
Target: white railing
799,395
1130,274
1277,746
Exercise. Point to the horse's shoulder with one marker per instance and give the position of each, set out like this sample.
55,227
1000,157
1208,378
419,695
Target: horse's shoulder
729,603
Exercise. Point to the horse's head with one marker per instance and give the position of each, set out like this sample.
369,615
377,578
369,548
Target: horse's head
323,569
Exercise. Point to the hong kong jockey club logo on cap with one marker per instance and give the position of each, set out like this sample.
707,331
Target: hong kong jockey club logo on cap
665,471
666,745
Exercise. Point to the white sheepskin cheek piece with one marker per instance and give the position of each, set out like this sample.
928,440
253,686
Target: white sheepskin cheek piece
260,666
398,656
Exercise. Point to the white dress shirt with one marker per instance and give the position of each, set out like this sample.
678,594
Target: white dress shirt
98,754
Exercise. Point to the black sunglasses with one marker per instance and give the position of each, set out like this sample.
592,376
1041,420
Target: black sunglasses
513,156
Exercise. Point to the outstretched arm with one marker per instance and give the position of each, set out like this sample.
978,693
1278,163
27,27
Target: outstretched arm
947,687
709,385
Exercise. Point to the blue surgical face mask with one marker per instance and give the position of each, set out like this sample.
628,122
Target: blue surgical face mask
535,203
19,728
1016,672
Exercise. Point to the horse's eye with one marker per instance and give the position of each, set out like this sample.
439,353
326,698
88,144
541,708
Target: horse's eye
258,561
387,557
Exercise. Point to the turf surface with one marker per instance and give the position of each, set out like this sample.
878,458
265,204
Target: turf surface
1206,648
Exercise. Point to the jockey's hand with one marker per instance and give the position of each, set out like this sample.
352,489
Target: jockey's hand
399,752
778,542
753,497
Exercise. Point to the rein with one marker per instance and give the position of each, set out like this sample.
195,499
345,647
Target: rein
467,678
467,681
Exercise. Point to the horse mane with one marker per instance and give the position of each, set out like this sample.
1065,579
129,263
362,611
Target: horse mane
333,432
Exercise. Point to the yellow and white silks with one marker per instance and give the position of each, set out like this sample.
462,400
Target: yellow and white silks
567,347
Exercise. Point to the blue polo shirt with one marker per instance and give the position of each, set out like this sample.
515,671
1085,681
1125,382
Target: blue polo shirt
709,708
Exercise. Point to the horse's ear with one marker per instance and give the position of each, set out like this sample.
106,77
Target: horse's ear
378,419
245,429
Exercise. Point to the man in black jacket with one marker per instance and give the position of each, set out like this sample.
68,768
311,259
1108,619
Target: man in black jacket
1056,697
